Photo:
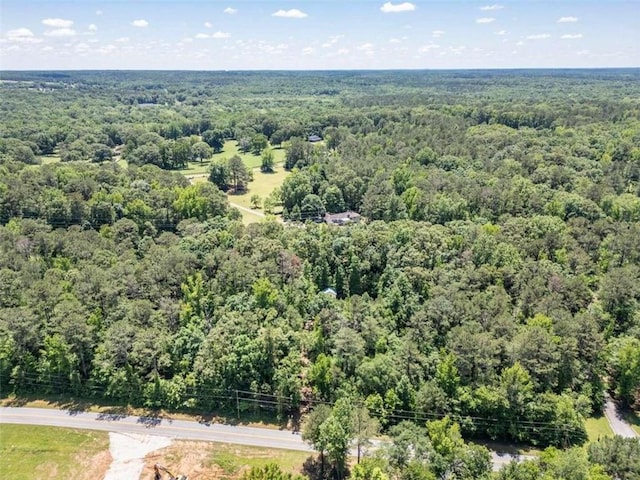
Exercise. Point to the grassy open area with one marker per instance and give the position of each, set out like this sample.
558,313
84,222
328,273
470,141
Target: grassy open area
230,149
598,427
250,217
234,457
221,460
32,452
47,159
263,184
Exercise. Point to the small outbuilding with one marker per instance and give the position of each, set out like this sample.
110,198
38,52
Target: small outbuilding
342,218
315,138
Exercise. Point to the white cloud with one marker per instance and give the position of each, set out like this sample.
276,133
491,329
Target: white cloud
140,23
221,35
437,33
122,39
208,24
19,33
61,32
333,39
343,51
428,48
99,12
397,8
107,49
93,27
49,48
308,51
57,22
395,40
202,35
230,11
520,43
485,20
501,32
570,36
293,13
539,36
567,19
492,7
583,52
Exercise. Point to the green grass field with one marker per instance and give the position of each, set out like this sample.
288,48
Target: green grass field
263,184
32,452
597,428
230,149
47,159
232,458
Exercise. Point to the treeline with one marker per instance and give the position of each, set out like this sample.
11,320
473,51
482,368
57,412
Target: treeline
496,281
466,319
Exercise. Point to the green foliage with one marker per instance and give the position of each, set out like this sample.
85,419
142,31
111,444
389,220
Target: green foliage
624,369
494,277
267,160
271,471
620,457
239,175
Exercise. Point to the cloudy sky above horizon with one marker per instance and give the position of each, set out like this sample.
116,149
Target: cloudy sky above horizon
312,34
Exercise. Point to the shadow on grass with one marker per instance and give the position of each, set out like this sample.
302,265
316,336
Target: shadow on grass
631,417
288,422
505,448
317,468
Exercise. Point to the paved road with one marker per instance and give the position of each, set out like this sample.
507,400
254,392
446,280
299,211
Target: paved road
618,425
177,429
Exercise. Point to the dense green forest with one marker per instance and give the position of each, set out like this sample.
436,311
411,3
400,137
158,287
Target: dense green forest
495,279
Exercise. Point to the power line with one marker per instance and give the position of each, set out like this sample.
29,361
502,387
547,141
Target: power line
273,402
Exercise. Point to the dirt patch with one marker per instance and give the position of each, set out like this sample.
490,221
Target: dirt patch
184,458
93,467
46,470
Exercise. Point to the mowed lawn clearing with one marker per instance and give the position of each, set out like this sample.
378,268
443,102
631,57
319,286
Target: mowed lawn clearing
33,452
598,427
262,185
230,149
47,159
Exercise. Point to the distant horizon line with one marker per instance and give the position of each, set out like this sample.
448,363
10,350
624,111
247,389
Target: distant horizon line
312,69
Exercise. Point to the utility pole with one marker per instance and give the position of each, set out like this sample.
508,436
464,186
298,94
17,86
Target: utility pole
237,405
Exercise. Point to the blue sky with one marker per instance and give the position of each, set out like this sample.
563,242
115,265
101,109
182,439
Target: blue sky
312,34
